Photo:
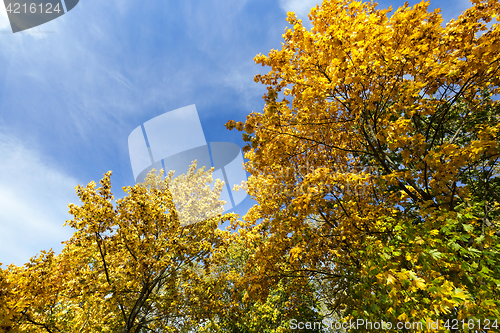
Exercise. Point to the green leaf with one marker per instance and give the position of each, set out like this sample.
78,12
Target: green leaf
468,227
435,254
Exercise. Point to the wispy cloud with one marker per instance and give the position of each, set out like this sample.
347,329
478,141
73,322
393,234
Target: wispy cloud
33,202
4,19
300,7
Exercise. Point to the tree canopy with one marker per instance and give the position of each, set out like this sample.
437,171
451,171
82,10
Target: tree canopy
375,170
131,266
375,162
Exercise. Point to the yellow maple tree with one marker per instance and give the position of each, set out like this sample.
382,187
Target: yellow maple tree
375,162
131,265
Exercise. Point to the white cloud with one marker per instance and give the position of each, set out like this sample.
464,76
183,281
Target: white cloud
4,19
33,203
300,7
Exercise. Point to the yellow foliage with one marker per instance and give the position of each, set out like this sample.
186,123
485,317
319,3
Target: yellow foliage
130,265
386,134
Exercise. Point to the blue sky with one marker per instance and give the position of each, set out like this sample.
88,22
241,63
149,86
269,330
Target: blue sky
74,88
